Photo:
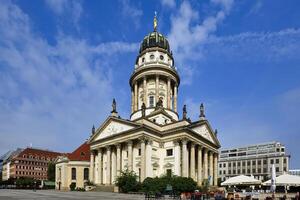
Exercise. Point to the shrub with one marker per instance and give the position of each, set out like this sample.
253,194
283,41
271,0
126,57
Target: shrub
72,186
127,181
183,184
80,189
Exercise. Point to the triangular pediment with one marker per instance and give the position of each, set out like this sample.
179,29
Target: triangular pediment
112,126
160,117
204,130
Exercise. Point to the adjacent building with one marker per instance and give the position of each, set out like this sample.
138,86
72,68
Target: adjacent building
73,168
295,172
154,140
5,161
30,162
256,160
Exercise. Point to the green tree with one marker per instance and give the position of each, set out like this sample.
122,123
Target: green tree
51,171
127,181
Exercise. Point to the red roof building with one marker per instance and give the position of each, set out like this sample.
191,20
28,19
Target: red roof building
82,153
32,163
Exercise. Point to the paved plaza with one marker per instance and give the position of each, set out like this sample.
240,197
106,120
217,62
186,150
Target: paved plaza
52,194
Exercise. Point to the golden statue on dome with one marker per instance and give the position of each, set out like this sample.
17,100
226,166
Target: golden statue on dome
155,21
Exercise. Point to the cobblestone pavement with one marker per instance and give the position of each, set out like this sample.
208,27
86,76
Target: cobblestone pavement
53,195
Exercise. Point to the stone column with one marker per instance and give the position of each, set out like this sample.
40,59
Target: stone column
145,91
135,96
211,167
184,159
193,163
132,101
148,159
100,166
113,165
118,146
177,159
205,164
108,174
130,155
175,98
199,172
168,93
92,170
215,169
142,175
156,88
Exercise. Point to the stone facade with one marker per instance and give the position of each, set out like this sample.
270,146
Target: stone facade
154,141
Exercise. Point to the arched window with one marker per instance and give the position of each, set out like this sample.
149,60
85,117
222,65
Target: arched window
151,101
73,173
86,174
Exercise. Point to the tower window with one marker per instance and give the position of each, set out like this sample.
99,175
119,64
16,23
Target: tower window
151,101
169,152
152,57
143,60
161,57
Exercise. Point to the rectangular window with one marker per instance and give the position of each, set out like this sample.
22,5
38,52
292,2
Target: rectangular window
277,169
151,101
253,162
220,165
86,174
229,171
244,163
140,152
73,173
253,171
224,165
244,171
277,161
272,161
265,162
259,162
229,164
248,171
248,163
234,171
284,160
169,152
238,164
259,170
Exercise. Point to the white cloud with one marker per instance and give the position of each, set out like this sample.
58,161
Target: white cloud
188,34
256,46
169,3
132,12
50,94
66,8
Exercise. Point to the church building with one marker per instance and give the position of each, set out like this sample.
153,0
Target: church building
154,140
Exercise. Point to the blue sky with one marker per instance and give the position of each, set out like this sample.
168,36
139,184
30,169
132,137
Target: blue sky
62,62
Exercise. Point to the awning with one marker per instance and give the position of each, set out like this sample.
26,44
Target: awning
285,180
241,180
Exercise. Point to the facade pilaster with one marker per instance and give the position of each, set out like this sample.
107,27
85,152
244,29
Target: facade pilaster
130,155
156,88
215,169
177,158
108,161
148,158
145,91
135,96
142,175
169,93
113,165
211,167
184,158
132,101
193,163
205,164
100,166
175,98
92,170
118,146
199,172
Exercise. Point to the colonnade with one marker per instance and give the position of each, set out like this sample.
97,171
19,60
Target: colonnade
195,161
190,160
171,98
114,159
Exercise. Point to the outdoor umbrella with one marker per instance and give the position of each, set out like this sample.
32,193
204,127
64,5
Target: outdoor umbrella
241,180
285,180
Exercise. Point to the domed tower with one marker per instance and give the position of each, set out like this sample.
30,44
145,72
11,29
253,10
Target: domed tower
154,82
